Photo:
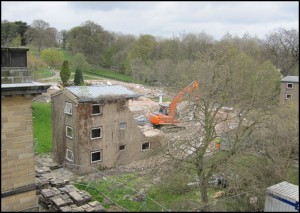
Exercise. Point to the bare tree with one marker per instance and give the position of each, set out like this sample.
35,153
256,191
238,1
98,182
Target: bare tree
41,35
227,78
283,46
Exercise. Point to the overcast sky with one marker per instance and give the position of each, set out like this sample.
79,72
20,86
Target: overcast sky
164,18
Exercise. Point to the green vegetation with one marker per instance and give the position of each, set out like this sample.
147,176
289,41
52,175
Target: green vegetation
42,73
65,72
78,79
293,175
42,126
112,75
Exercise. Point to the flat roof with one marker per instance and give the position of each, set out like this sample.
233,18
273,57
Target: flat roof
96,92
290,78
24,88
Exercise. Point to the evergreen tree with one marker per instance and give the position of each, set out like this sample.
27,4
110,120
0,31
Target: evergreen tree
65,72
78,79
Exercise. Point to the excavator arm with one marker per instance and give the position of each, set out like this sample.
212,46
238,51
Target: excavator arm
179,96
162,119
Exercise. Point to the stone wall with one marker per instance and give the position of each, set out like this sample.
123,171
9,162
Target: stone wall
17,158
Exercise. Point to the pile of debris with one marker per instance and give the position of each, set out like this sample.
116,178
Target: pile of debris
48,173
68,198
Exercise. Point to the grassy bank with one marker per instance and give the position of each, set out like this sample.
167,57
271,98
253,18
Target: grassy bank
42,126
113,75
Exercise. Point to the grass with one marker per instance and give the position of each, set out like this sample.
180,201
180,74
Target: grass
42,73
123,194
293,175
42,126
112,75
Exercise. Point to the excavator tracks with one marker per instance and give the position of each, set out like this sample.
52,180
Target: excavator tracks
169,129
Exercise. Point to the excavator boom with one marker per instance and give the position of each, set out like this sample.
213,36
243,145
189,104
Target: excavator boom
158,119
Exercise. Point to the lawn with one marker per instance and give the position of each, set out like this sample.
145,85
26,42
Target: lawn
112,75
124,189
42,126
42,73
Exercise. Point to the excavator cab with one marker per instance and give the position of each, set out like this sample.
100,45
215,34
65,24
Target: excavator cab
164,108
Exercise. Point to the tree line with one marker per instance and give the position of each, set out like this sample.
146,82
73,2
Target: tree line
147,58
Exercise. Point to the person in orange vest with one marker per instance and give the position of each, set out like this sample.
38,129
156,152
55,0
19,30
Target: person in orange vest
218,143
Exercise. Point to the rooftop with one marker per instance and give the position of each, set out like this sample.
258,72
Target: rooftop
290,78
92,93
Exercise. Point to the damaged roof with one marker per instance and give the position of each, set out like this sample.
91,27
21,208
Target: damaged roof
101,92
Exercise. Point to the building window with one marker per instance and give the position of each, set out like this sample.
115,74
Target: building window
68,108
69,155
145,146
288,96
95,156
289,85
96,109
69,132
122,125
122,147
96,133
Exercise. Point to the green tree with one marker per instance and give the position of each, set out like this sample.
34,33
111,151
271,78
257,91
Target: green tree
52,56
16,41
65,72
91,40
35,63
78,79
12,30
142,51
79,61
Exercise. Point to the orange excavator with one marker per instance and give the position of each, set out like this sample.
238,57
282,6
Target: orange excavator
163,117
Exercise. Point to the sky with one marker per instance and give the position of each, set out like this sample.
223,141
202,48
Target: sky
161,18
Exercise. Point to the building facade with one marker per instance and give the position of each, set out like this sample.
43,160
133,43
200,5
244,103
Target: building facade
94,128
289,90
18,188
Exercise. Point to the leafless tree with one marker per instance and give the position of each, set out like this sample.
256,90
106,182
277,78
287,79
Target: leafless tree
227,78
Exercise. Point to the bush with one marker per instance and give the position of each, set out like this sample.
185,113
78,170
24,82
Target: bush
78,79
65,72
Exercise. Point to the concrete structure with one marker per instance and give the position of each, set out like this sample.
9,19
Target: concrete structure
289,90
18,191
93,127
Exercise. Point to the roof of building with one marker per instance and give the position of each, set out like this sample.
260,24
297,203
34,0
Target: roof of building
286,190
100,92
290,78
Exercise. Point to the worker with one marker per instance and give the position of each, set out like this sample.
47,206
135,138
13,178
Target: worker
218,142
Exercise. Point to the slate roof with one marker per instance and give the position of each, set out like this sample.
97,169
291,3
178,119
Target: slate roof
101,92
290,78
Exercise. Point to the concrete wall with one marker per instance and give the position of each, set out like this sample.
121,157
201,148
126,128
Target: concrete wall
17,158
82,121
294,92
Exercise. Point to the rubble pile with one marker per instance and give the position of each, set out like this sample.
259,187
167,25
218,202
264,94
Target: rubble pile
50,174
68,198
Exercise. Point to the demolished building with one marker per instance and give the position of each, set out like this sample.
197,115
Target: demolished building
93,127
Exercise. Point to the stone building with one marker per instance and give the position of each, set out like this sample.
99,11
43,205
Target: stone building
18,190
289,90
93,127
